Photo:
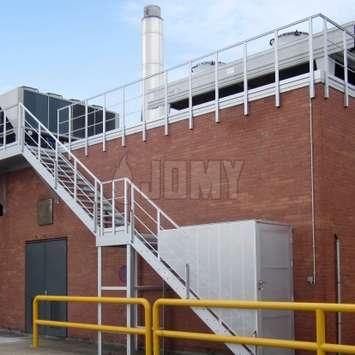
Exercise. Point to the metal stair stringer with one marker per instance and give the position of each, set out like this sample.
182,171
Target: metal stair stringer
179,288
59,189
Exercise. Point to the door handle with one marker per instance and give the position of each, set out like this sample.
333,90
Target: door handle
261,285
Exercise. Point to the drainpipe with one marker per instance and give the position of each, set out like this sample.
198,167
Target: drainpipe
312,279
338,286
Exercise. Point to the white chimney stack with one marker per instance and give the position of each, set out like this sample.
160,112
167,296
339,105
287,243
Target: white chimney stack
152,51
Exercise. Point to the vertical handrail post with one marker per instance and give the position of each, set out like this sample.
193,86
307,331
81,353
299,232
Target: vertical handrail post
144,113
166,104
102,229
311,59
191,124
39,141
277,69
245,78
95,207
4,131
123,116
158,222
320,330
58,124
19,125
216,89
23,126
56,166
113,202
86,127
125,205
75,180
326,59
187,280
104,125
70,127
346,79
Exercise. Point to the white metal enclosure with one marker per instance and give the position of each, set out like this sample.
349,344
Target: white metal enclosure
242,260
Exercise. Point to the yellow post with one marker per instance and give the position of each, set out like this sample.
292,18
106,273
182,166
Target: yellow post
35,336
156,326
320,331
148,327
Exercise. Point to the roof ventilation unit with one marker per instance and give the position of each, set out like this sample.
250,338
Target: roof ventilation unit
289,37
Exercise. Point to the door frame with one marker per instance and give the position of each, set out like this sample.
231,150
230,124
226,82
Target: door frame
25,274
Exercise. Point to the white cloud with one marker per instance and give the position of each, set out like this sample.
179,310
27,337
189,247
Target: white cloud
194,27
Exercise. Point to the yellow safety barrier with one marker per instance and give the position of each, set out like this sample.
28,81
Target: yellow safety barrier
146,331
320,345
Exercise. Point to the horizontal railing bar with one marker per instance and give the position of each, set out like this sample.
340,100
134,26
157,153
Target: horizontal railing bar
292,306
88,326
235,339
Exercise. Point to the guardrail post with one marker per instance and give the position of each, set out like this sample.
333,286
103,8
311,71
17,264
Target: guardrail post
123,116
320,330
4,131
326,59
144,113
216,89
113,208
69,127
102,229
35,337
277,72
191,124
311,59
39,141
156,328
56,166
346,79
125,202
86,128
166,104
104,125
95,207
148,327
75,180
245,78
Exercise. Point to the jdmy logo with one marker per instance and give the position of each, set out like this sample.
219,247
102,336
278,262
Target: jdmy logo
181,179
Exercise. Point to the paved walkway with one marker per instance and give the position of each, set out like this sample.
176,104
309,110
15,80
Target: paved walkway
18,344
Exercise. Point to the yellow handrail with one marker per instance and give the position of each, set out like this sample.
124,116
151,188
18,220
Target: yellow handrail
320,345
97,327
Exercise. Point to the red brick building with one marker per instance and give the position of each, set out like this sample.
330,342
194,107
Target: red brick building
291,164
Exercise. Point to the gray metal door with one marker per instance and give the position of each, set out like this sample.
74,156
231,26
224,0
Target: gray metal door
46,273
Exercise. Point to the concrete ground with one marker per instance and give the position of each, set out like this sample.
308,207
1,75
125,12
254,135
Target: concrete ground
19,344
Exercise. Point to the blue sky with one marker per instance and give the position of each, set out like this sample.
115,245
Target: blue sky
81,47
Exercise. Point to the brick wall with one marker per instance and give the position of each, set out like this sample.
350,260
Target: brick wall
270,154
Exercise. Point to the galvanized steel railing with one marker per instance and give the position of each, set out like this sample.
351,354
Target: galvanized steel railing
145,331
182,84
321,346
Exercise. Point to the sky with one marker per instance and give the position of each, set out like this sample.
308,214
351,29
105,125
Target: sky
80,48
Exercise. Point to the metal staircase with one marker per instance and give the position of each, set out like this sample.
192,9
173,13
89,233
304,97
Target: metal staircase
116,208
